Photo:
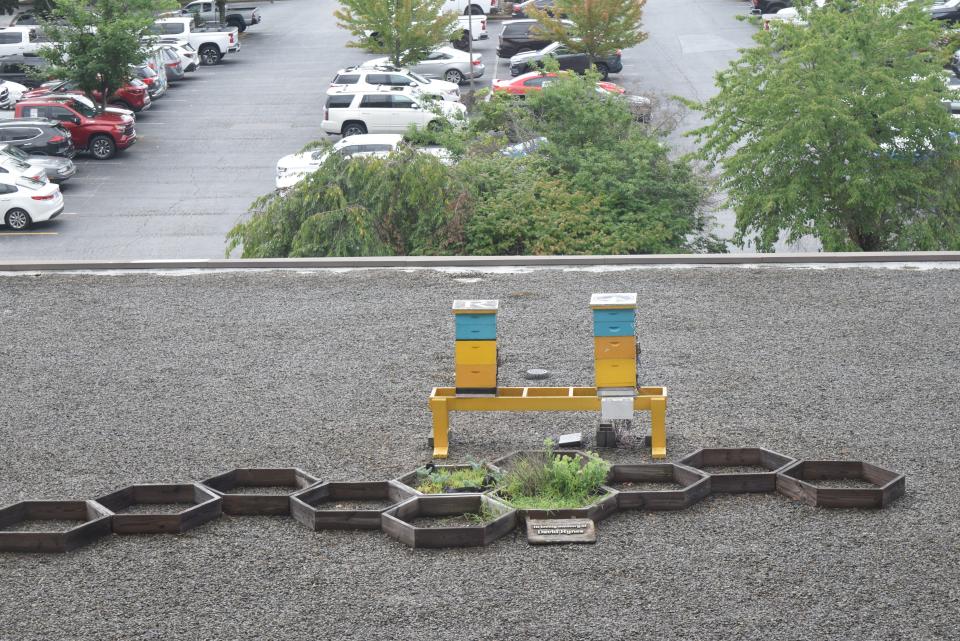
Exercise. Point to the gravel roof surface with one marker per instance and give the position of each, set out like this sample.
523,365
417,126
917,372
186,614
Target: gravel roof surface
115,380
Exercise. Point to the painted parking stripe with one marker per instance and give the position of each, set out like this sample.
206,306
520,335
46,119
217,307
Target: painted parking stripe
29,233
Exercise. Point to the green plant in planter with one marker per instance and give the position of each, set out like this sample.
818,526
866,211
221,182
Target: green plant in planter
431,480
484,516
556,482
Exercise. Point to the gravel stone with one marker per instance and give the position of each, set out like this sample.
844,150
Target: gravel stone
114,380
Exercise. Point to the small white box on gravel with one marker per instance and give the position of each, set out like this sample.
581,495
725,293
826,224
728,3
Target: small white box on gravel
570,440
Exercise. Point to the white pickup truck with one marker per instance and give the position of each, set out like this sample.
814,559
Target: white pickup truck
211,43
460,35
237,15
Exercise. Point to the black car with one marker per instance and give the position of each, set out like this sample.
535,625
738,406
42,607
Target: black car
566,59
38,136
522,35
520,9
15,69
770,6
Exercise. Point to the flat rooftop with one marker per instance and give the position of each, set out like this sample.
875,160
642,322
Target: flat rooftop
110,380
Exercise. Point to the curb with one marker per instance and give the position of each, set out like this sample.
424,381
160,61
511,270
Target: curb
838,258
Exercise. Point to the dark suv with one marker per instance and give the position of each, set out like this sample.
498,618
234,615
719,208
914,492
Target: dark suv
38,136
522,35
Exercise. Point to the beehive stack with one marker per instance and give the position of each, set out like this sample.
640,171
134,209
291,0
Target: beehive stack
476,346
614,344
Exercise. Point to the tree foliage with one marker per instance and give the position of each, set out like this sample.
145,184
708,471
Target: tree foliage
404,30
837,129
96,41
601,26
360,207
600,183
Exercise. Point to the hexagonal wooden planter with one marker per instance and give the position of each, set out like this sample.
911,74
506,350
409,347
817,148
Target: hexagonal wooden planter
411,479
275,503
397,522
738,482
206,507
93,521
800,481
603,507
314,506
696,485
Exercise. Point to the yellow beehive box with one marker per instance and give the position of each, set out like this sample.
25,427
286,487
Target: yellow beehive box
475,353
605,347
616,372
475,376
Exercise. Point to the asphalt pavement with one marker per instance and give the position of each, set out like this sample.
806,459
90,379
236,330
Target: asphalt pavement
209,147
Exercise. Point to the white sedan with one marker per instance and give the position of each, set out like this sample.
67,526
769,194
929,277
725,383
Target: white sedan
295,167
24,201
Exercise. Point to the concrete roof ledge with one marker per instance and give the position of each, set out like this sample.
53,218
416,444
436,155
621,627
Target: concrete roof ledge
837,258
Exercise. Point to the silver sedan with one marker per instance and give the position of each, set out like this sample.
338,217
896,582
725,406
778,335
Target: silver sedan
444,63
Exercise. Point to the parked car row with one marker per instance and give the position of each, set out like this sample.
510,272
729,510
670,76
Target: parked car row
54,119
370,105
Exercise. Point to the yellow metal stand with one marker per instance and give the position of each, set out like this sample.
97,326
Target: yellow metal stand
444,400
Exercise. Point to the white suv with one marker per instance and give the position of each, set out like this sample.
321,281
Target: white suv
386,112
365,78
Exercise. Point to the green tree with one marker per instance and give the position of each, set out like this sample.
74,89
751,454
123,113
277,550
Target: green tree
837,129
404,30
601,26
600,182
96,41
359,207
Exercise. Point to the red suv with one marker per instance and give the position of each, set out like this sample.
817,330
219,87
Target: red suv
101,133
132,96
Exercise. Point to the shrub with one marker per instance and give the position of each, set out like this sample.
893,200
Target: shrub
557,481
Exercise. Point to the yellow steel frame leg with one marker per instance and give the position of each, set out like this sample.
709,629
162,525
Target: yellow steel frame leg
658,429
441,426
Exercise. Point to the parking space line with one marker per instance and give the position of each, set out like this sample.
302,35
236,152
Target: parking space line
29,233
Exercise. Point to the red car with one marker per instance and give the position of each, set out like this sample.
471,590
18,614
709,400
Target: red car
101,133
132,96
536,80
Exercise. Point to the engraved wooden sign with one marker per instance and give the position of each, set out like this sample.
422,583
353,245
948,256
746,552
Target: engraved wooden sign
546,531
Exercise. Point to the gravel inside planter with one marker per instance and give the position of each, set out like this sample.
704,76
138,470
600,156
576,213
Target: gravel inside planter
155,508
43,525
355,505
263,489
843,484
646,486
735,469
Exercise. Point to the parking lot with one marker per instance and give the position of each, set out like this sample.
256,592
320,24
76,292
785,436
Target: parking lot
209,147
